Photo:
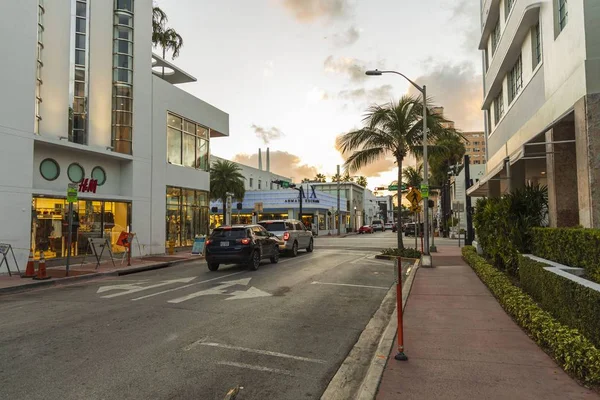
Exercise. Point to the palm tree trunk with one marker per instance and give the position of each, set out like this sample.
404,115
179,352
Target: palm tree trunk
399,216
224,211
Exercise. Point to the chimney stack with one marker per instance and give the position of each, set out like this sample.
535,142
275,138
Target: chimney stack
268,161
260,159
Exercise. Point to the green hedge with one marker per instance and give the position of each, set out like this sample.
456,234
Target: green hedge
572,304
406,252
573,247
575,353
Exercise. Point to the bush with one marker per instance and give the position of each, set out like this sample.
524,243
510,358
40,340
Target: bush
574,247
406,252
575,353
572,304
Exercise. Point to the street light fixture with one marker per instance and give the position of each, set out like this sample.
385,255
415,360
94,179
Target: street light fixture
426,261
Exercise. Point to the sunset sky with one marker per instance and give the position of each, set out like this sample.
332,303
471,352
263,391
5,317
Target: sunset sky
290,73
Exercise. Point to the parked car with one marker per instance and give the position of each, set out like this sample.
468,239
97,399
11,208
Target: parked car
365,229
292,235
241,244
409,229
388,225
377,225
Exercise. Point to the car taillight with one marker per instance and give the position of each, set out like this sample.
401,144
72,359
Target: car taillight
245,241
286,236
208,242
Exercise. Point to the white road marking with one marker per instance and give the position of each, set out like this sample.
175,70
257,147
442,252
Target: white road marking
248,294
140,288
194,344
216,290
255,351
256,368
347,284
187,286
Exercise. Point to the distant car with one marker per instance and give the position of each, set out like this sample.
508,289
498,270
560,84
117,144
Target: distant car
388,225
365,229
241,244
409,229
292,235
377,225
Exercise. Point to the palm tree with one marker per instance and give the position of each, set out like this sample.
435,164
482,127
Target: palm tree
166,38
225,177
306,180
159,21
413,176
336,178
320,178
362,181
395,128
347,178
448,150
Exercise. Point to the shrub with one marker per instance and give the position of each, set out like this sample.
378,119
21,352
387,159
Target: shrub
406,252
573,351
574,247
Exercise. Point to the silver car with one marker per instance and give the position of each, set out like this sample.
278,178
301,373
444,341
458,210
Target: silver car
292,235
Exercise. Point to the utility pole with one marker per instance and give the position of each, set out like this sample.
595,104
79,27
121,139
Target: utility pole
338,202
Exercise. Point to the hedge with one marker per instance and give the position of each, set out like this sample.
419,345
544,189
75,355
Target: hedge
406,252
572,304
569,246
575,353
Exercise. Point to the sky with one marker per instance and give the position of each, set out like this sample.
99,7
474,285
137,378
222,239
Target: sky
290,73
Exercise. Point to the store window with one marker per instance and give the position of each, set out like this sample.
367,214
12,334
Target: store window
91,219
187,143
187,215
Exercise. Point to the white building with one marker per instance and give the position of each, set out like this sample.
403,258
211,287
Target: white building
458,192
541,98
80,103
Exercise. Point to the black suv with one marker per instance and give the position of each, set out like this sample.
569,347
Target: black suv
241,244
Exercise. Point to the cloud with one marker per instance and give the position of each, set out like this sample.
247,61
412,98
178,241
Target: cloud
309,10
457,88
346,38
373,170
466,15
267,135
351,67
282,163
374,95
317,94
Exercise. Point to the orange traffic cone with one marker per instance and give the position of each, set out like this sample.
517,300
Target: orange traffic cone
30,270
41,273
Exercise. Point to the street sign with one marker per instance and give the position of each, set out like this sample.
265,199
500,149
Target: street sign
416,208
72,193
425,190
392,187
285,185
414,196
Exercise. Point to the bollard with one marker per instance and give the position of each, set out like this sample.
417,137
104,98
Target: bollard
398,275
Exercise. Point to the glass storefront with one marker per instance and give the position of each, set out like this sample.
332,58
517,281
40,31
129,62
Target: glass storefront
216,219
91,219
187,215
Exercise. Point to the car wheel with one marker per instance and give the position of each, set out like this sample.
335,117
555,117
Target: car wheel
275,257
254,261
310,247
213,266
295,249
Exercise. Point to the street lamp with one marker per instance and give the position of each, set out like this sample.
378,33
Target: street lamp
423,89
355,220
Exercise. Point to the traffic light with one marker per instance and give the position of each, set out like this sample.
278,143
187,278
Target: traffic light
240,206
430,203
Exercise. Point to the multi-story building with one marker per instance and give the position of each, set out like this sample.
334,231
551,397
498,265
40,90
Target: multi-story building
542,100
85,101
475,147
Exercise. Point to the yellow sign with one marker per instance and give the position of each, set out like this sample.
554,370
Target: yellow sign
414,196
416,208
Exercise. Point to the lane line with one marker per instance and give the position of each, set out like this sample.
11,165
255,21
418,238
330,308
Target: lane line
187,286
347,284
194,344
202,342
256,368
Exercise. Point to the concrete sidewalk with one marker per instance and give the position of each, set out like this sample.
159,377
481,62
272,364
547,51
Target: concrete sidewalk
78,271
462,345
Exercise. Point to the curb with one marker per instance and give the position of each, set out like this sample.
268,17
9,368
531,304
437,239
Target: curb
77,278
392,258
370,384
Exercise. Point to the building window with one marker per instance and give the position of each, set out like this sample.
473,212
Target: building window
187,215
79,75
508,5
486,59
49,169
259,184
495,37
498,107
122,96
99,175
251,182
515,80
536,42
563,14
75,173
187,143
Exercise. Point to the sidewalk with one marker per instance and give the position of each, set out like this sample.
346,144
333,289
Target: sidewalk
78,271
462,345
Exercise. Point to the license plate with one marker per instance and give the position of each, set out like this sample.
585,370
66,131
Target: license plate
224,244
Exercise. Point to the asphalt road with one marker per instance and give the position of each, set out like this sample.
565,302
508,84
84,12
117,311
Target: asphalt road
186,333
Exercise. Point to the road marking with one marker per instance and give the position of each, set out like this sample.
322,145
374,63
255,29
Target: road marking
203,342
187,286
256,368
216,290
248,294
347,284
141,288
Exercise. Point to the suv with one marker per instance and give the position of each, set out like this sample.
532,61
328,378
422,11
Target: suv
292,235
241,244
409,229
377,225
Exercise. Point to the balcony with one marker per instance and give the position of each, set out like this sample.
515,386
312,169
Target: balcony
171,74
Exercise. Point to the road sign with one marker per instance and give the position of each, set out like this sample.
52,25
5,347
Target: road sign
285,185
424,190
414,196
416,208
72,193
393,187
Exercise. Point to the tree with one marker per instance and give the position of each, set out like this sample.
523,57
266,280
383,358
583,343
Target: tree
449,150
362,181
395,128
336,178
347,178
164,37
306,180
320,178
225,177
413,176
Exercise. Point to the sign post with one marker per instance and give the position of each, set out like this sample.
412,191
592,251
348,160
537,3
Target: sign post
71,198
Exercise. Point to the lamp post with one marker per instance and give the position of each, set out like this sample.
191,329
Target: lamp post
355,220
423,89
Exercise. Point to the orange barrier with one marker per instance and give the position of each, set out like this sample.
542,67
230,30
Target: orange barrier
30,270
41,273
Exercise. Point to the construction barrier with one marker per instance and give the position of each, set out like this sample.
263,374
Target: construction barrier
30,269
42,274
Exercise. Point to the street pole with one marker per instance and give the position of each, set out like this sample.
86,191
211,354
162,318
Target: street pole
425,173
300,194
400,356
339,218
69,238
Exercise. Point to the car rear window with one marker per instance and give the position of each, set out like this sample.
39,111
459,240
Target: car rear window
235,233
273,226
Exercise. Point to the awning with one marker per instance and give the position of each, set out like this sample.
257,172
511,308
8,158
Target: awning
480,189
517,155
